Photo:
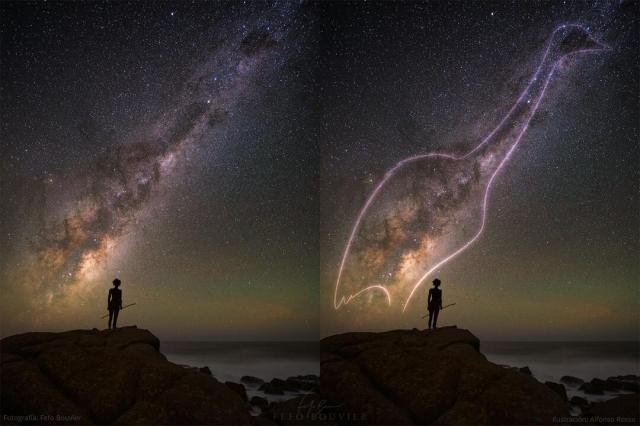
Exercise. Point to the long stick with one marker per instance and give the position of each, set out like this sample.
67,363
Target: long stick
445,306
124,307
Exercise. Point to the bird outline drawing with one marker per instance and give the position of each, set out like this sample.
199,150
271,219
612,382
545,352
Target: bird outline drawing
429,208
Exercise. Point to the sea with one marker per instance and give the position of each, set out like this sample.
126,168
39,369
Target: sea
229,361
549,361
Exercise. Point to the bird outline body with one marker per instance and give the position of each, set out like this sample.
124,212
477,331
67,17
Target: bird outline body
489,157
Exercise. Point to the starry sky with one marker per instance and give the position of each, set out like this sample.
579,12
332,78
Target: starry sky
167,144
215,156
558,255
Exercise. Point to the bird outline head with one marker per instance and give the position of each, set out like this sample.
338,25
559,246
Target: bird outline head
573,39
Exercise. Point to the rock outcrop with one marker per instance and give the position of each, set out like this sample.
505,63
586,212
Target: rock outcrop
559,389
427,377
107,377
239,389
579,401
251,380
628,383
625,409
297,384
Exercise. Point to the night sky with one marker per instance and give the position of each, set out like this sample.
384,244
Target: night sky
558,258
215,157
169,145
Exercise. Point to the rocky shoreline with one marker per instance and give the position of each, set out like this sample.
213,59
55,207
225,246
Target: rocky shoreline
603,389
397,377
441,377
121,377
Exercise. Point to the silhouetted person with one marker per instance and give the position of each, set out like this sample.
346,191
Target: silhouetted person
434,303
114,302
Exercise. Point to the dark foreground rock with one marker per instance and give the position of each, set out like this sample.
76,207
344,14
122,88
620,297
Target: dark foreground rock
427,377
239,389
259,402
526,370
559,389
624,409
206,370
107,377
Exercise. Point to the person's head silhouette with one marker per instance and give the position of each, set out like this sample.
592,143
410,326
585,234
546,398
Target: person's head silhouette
116,283
436,283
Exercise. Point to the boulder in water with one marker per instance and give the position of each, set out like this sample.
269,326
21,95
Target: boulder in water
284,385
271,389
572,381
598,386
299,384
628,383
251,380
579,401
591,389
